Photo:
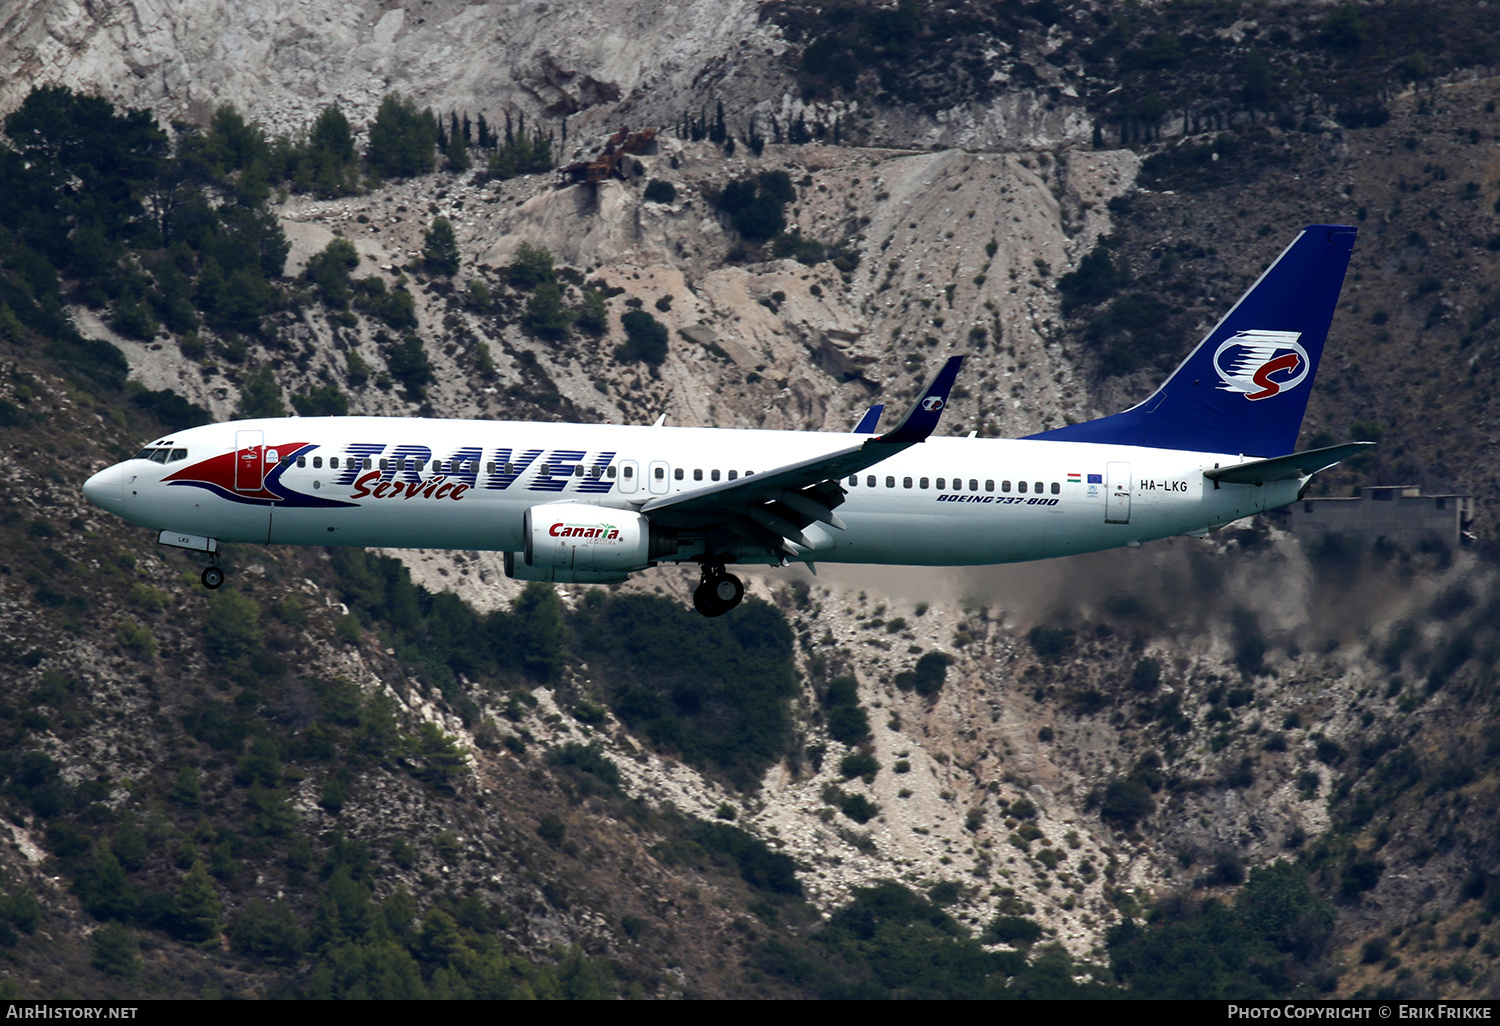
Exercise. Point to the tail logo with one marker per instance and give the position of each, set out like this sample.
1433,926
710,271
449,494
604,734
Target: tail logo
932,403
1247,362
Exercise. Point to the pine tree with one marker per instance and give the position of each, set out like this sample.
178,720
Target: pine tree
403,140
197,910
440,253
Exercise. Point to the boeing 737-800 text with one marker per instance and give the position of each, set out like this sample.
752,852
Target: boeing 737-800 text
595,503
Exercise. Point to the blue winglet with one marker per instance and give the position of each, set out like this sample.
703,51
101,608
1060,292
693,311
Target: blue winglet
922,418
1245,388
866,425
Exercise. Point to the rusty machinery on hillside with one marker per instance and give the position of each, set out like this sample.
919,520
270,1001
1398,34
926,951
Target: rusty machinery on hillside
610,163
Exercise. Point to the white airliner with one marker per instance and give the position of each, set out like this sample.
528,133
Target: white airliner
595,503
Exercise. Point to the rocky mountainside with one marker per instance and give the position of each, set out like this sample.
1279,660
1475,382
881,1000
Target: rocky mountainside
406,767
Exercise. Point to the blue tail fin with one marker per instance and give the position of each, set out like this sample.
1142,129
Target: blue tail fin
1245,388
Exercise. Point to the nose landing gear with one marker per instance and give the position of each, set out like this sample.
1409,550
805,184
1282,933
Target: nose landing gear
718,592
213,574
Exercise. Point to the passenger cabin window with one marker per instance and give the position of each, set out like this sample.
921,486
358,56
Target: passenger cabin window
1005,486
973,484
1021,487
367,463
661,473
698,474
713,475
333,462
941,483
301,461
989,486
869,480
1039,487
1056,488
890,482
677,473
579,471
922,483
733,474
317,463
384,464
629,472
609,472
906,482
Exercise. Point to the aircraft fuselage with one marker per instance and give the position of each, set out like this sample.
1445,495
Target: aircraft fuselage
452,484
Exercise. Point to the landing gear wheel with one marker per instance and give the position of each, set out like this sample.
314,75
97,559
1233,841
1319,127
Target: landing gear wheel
728,589
212,577
718,592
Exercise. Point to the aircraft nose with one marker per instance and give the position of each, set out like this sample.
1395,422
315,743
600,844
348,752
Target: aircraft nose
106,489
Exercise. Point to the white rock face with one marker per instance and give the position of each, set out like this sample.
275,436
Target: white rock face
283,60
598,63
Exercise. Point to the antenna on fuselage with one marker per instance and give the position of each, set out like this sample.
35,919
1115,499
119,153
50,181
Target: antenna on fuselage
660,420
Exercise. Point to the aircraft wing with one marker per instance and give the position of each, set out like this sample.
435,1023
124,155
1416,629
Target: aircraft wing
1286,468
776,504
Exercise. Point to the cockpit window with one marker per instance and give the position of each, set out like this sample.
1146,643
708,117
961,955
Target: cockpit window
159,455
144,454
177,454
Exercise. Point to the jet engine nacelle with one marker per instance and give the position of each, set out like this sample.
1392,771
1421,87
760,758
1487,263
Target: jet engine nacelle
517,570
579,539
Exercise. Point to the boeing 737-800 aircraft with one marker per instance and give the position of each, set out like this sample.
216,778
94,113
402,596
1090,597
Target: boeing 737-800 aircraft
596,503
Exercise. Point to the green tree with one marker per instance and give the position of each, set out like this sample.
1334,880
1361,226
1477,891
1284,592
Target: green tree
232,628
94,162
409,365
403,140
545,315
270,932
321,401
260,395
645,339
540,632
115,952
440,252
592,315
456,154
757,206
196,911
105,891
531,267
328,165
328,271
187,791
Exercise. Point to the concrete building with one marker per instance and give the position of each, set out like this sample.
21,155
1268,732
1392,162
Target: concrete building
1398,515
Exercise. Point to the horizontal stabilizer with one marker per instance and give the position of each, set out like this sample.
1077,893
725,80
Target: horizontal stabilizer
1286,468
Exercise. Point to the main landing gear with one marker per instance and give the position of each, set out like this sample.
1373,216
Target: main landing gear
718,592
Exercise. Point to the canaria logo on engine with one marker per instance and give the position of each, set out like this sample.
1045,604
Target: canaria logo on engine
1259,364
